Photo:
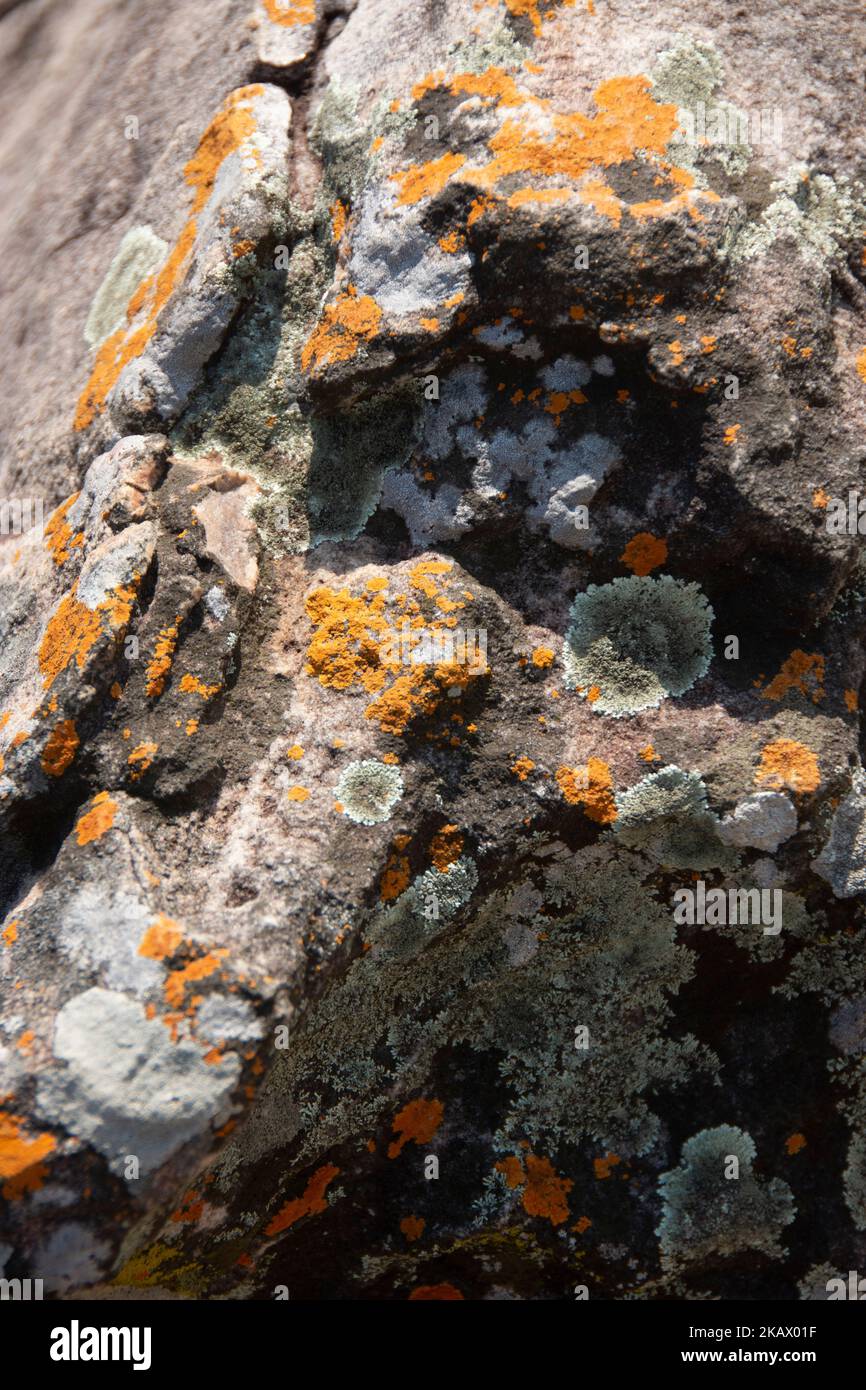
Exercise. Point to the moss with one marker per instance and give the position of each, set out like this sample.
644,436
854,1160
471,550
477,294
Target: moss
635,641
368,791
708,1215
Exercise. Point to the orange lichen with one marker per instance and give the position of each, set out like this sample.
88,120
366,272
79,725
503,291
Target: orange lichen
298,794
544,1192
98,820
345,325
163,656
296,752
60,749
446,847
801,671
628,120
522,768
590,787
338,219
438,1293
820,498
396,875
161,939
141,758
412,1227
21,1156
10,933
530,9
345,647
850,698
861,365
416,1122
542,657
291,12
354,643
232,125
70,634
190,1209
644,553
604,1166
311,1201
424,180
192,685
58,538
788,764
731,434
795,1143
648,754
451,243
176,984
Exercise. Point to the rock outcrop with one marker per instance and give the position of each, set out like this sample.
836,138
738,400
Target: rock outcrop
432,610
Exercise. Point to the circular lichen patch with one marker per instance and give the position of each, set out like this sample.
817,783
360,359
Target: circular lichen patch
635,641
368,791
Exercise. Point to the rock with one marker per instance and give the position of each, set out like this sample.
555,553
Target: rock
842,861
431,444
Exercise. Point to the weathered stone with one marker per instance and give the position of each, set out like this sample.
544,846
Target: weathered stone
482,592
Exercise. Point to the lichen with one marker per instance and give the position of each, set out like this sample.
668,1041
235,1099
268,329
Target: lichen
368,791
715,1209
637,641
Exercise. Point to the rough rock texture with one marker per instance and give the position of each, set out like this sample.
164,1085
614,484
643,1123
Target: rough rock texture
432,438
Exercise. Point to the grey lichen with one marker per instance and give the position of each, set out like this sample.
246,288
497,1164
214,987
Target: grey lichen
822,216
716,1206
636,641
842,861
368,791
666,816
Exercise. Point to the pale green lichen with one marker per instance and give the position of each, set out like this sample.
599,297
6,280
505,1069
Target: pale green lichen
487,982
709,1214
140,253
666,816
689,75
823,217
423,910
368,791
637,640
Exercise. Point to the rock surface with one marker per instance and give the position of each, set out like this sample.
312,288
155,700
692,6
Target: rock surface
432,649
